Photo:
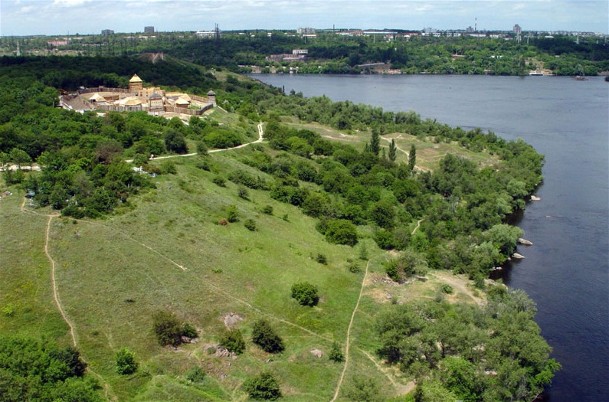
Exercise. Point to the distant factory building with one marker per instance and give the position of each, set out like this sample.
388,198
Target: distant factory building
149,30
107,32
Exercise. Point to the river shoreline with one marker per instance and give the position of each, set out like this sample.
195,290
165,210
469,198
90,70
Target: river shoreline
566,272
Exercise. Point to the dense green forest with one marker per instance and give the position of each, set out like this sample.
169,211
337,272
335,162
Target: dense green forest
33,370
460,208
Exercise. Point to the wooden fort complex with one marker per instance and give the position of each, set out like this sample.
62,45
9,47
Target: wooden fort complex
136,98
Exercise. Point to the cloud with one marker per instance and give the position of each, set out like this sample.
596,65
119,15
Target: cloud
69,3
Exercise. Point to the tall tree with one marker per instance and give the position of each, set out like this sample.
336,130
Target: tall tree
392,151
412,157
375,141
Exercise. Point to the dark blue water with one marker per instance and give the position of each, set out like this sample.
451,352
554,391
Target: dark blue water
567,270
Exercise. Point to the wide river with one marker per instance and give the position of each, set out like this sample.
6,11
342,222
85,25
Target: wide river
566,271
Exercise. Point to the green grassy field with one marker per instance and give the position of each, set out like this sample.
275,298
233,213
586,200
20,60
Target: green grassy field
166,251
429,152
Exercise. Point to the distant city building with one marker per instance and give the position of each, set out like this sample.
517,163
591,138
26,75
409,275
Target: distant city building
205,34
305,31
149,30
517,30
215,33
297,55
107,32
57,43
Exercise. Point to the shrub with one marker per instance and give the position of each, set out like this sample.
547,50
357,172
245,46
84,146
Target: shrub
248,180
321,258
243,193
168,167
140,160
264,336
406,265
201,148
231,214
8,310
250,224
384,239
363,252
167,328
203,164
365,390
263,386
336,354
219,180
195,374
353,266
125,362
189,331
175,142
232,340
268,209
446,288
305,293
222,139
339,231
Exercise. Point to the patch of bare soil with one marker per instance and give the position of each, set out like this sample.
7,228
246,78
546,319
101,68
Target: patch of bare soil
460,284
231,320
317,353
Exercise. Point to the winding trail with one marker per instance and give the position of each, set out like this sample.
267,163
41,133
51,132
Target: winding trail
213,151
56,298
348,340
417,227
259,140
54,282
47,237
419,168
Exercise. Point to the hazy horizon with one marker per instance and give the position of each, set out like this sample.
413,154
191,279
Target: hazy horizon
62,17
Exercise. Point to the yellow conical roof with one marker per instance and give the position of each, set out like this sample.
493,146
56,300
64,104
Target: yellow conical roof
135,78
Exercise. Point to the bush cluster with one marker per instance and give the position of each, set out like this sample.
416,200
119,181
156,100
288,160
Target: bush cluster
169,330
265,336
305,293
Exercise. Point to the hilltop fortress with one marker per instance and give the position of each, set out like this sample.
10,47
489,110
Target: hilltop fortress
137,98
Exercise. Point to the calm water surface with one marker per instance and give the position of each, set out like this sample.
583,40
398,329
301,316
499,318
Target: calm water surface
567,270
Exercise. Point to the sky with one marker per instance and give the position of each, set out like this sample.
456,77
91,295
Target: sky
62,17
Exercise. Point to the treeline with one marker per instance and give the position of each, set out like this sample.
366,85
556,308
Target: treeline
70,73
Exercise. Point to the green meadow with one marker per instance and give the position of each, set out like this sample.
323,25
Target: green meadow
167,251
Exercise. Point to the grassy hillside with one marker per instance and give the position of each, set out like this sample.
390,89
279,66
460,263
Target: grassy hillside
168,252
218,240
